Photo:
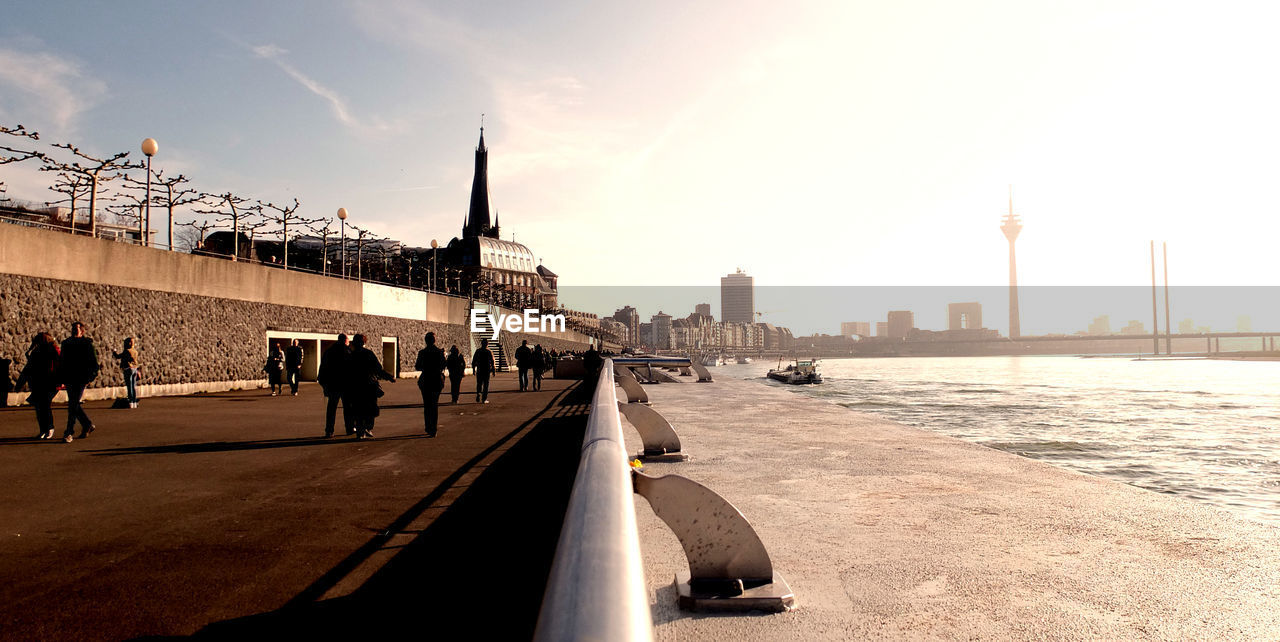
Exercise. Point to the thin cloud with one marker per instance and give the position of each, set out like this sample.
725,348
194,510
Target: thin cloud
336,102
45,83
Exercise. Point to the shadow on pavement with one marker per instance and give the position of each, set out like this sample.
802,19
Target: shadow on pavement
478,570
231,446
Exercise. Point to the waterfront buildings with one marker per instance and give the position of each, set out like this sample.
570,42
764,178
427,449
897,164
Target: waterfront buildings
661,324
901,323
964,316
855,328
737,298
882,328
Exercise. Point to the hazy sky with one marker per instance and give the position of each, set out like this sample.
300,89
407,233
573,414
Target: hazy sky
655,143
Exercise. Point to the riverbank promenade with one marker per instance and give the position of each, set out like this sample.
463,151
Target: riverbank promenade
229,515
890,532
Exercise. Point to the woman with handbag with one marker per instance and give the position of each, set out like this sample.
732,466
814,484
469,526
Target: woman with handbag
361,395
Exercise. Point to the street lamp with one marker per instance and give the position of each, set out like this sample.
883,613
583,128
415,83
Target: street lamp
150,147
342,216
434,253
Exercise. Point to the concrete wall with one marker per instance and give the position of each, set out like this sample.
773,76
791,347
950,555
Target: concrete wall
202,324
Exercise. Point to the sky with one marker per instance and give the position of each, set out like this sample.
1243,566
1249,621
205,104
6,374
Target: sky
662,143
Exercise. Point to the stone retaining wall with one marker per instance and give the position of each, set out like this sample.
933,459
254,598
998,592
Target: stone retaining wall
189,339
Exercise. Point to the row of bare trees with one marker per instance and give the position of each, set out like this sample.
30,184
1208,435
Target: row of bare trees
111,184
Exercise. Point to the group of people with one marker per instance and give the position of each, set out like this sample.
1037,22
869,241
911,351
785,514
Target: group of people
71,366
284,365
350,373
535,361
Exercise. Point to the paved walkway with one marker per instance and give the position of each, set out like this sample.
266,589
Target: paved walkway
228,515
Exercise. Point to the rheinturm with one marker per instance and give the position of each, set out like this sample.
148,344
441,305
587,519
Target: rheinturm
477,223
1012,225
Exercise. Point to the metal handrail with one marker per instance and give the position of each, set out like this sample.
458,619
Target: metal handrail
596,589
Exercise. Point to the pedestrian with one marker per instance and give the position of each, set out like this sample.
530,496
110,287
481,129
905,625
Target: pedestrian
332,379
40,375
6,384
538,363
362,388
482,367
128,358
430,366
77,366
522,363
457,369
275,370
591,363
293,365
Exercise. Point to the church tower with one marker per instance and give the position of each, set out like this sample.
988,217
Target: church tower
477,223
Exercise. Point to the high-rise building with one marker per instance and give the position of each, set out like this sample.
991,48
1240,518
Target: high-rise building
964,316
661,324
901,323
703,309
882,328
737,298
630,318
1012,225
859,328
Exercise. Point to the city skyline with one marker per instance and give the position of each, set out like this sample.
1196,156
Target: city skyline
1109,126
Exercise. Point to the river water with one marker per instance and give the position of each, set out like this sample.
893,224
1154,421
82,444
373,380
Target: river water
1202,429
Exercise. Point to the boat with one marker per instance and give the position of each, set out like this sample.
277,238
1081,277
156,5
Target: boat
801,372
743,359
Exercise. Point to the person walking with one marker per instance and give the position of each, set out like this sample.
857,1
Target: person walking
457,367
332,379
482,367
40,375
591,364
77,366
522,363
293,365
538,363
430,366
362,389
275,370
128,358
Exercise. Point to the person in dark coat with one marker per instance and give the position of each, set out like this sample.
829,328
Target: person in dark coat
591,363
275,370
430,366
482,367
77,366
360,397
293,365
6,384
457,367
332,378
538,363
40,375
522,363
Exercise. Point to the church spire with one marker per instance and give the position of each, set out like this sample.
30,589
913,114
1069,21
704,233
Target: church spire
477,223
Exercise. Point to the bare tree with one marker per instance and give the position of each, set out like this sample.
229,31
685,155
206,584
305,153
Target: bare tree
193,232
96,170
282,216
238,211
171,193
323,233
363,237
13,154
75,187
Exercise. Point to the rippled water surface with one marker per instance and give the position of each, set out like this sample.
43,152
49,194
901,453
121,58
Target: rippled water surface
1202,429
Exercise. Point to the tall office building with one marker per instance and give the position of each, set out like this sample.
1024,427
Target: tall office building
859,328
703,309
737,298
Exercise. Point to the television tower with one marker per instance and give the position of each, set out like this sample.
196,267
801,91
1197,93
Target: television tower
1012,225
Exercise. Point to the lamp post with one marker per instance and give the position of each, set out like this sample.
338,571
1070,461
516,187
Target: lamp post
342,216
435,251
150,147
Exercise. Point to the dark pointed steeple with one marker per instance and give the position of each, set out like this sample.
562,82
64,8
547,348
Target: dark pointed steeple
478,213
